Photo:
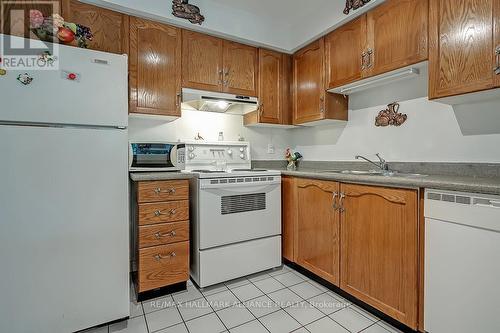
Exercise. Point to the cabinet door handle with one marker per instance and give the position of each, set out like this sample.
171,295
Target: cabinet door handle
341,202
369,53
178,99
335,205
160,257
162,212
322,102
497,54
261,109
159,235
363,61
160,190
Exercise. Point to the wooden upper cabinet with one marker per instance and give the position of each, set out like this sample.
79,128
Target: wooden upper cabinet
317,228
201,61
270,87
240,69
379,252
397,35
110,28
288,213
154,68
15,20
343,53
308,73
311,102
463,37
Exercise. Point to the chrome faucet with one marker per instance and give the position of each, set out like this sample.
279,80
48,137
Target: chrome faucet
383,165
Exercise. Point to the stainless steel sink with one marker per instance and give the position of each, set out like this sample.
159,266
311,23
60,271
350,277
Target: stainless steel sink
373,173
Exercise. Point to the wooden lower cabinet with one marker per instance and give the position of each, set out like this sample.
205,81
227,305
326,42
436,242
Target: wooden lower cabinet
317,228
363,239
162,224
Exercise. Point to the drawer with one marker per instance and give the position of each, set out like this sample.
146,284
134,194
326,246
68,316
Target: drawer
164,190
161,266
161,212
165,233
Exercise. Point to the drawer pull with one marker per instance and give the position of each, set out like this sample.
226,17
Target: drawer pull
497,54
169,191
162,212
159,257
159,235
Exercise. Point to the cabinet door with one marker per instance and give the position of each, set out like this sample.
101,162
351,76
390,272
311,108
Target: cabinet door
110,29
154,68
317,231
201,61
288,213
344,48
270,87
309,87
397,34
461,46
240,69
496,16
379,249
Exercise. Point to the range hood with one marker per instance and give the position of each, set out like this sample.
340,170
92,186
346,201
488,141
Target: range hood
208,101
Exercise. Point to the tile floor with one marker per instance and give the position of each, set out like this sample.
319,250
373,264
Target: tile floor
277,301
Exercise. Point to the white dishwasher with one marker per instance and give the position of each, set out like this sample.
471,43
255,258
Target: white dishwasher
462,262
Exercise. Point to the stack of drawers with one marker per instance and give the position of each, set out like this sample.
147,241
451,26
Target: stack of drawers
163,235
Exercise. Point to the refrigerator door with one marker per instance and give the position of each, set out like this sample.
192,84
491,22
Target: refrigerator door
64,249
97,96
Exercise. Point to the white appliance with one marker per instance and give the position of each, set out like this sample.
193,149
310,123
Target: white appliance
462,262
156,156
210,101
64,241
236,213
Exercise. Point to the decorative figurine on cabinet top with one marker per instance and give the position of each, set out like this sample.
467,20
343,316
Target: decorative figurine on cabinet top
354,4
182,9
292,159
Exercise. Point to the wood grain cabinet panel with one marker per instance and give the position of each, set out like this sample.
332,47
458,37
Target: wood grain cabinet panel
110,28
317,229
343,53
163,265
164,233
154,68
161,212
379,252
463,38
240,73
397,33
271,81
163,190
311,102
201,61
289,213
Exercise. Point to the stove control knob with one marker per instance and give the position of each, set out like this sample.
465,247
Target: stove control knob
190,148
242,156
191,156
242,149
229,152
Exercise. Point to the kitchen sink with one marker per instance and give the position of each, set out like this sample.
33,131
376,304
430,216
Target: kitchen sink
373,173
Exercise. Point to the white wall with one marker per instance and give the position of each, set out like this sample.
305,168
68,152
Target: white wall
209,125
434,132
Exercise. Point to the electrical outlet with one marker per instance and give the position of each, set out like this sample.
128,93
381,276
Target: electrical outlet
270,148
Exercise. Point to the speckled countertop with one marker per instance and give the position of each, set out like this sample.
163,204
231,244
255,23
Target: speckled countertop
145,176
439,182
486,185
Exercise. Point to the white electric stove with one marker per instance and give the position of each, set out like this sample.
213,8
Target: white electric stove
235,213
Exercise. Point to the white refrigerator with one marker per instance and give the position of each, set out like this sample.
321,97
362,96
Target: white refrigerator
64,227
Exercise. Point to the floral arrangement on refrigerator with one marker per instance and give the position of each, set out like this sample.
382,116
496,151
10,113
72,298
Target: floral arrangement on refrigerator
55,29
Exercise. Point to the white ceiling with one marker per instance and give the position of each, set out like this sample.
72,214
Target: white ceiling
284,25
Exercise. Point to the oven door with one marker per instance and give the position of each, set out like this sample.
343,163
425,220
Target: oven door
234,213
